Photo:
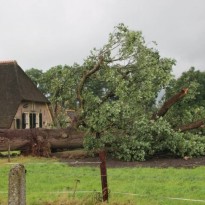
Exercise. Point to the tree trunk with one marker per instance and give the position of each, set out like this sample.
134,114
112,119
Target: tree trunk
40,141
165,107
191,126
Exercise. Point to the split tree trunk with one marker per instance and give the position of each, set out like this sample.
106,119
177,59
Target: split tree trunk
165,107
40,141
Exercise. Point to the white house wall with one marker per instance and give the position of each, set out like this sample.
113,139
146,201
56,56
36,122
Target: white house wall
32,107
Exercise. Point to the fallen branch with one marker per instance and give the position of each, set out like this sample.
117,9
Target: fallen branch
191,126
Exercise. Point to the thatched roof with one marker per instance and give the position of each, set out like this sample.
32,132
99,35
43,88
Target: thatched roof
15,87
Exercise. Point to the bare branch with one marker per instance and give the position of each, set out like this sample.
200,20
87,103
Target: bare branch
84,78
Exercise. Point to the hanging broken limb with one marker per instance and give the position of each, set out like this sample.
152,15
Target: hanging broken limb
171,101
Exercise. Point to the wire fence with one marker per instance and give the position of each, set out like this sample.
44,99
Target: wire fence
66,179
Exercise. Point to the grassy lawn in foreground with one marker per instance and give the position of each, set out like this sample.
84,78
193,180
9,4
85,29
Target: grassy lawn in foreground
48,180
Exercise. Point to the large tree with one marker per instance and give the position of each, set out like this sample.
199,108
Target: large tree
114,94
129,75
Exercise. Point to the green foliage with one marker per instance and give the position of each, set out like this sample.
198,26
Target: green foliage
130,149
58,84
189,145
35,75
149,139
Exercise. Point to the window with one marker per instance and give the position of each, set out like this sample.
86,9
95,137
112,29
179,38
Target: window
25,120
31,120
40,120
18,125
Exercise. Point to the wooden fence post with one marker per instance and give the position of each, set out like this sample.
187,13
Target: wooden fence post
17,186
103,171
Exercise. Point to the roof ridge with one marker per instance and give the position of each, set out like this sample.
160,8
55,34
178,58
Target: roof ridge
17,79
8,62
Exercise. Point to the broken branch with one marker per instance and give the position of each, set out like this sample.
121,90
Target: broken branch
169,103
191,126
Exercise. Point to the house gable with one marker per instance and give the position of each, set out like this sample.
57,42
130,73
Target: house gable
15,88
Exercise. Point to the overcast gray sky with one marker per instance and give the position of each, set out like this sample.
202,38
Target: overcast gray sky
46,33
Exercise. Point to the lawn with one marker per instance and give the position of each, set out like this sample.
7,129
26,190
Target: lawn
50,182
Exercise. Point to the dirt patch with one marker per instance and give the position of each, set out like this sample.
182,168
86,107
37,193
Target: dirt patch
81,158
72,154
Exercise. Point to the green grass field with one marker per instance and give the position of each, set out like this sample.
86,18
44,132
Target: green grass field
49,182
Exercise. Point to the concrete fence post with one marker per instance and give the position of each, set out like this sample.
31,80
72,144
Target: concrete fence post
17,185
